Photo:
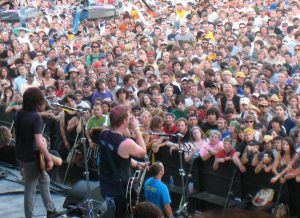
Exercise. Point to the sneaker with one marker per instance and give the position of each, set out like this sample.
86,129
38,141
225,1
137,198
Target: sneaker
54,213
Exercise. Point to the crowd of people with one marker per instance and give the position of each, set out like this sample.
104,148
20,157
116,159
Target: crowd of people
225,74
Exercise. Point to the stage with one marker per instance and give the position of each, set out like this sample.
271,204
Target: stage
12,196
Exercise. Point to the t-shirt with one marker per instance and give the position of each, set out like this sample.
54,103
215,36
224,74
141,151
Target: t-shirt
94,121
206,127
157,193
223,154
217,148
27,124
106,96
180,114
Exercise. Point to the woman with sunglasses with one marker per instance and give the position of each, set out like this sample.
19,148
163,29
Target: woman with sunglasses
95,54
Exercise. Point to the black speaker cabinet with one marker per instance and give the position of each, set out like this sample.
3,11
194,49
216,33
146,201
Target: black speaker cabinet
78,193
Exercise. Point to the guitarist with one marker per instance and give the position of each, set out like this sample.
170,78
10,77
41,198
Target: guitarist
29,139
116,162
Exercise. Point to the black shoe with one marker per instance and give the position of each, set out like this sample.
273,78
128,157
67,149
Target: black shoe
54,213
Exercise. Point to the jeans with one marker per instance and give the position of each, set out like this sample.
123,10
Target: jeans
32,177
119,205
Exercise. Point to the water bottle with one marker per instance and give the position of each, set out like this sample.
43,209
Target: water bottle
191,187
171,181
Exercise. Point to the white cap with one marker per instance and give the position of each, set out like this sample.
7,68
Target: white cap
244,100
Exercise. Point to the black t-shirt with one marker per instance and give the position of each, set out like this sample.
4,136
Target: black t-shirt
175,88
241,148
3,55
206,127
89,99
27,124
235,100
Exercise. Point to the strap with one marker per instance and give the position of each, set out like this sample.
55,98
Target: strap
112,163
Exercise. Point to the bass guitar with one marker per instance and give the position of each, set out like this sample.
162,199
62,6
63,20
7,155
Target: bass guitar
135,185
41,162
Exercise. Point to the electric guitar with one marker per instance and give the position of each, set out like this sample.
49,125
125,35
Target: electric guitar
134,186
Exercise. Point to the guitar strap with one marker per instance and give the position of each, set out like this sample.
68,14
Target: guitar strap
112,163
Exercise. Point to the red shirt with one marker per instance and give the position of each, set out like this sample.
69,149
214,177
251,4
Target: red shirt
170,131
223,154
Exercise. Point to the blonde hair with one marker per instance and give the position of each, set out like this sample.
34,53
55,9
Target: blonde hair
5,136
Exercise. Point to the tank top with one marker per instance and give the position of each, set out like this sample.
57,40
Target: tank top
109,181
70,135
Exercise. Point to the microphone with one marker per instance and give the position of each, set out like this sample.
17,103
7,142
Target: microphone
67,107
179,135
158,133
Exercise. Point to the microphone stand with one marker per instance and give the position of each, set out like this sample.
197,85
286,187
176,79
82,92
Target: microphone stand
182,210
88,205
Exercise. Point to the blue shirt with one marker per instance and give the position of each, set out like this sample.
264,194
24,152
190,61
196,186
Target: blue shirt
157,192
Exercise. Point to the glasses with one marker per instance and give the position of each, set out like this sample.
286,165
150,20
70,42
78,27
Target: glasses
263,106
249,121
95,47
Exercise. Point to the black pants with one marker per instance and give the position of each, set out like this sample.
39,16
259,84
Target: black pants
118,204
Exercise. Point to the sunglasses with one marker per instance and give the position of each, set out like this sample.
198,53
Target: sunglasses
249,121
263,106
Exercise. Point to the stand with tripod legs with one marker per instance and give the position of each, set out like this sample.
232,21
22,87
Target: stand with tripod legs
182,210
88,207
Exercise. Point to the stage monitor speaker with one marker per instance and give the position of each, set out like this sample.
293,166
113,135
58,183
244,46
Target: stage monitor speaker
78,193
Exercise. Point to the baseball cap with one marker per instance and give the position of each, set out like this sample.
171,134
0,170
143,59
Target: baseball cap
295,76
244,100
263,102
226,72
275,98
73,69
240,74
267,138
184,79
208,98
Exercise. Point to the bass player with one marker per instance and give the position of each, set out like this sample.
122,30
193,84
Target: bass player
29,140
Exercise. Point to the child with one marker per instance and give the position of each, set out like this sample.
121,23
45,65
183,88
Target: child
225,154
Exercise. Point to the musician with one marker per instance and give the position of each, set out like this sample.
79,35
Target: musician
29,139
156,191
116,154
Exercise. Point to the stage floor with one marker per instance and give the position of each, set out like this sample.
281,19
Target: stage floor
12,197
